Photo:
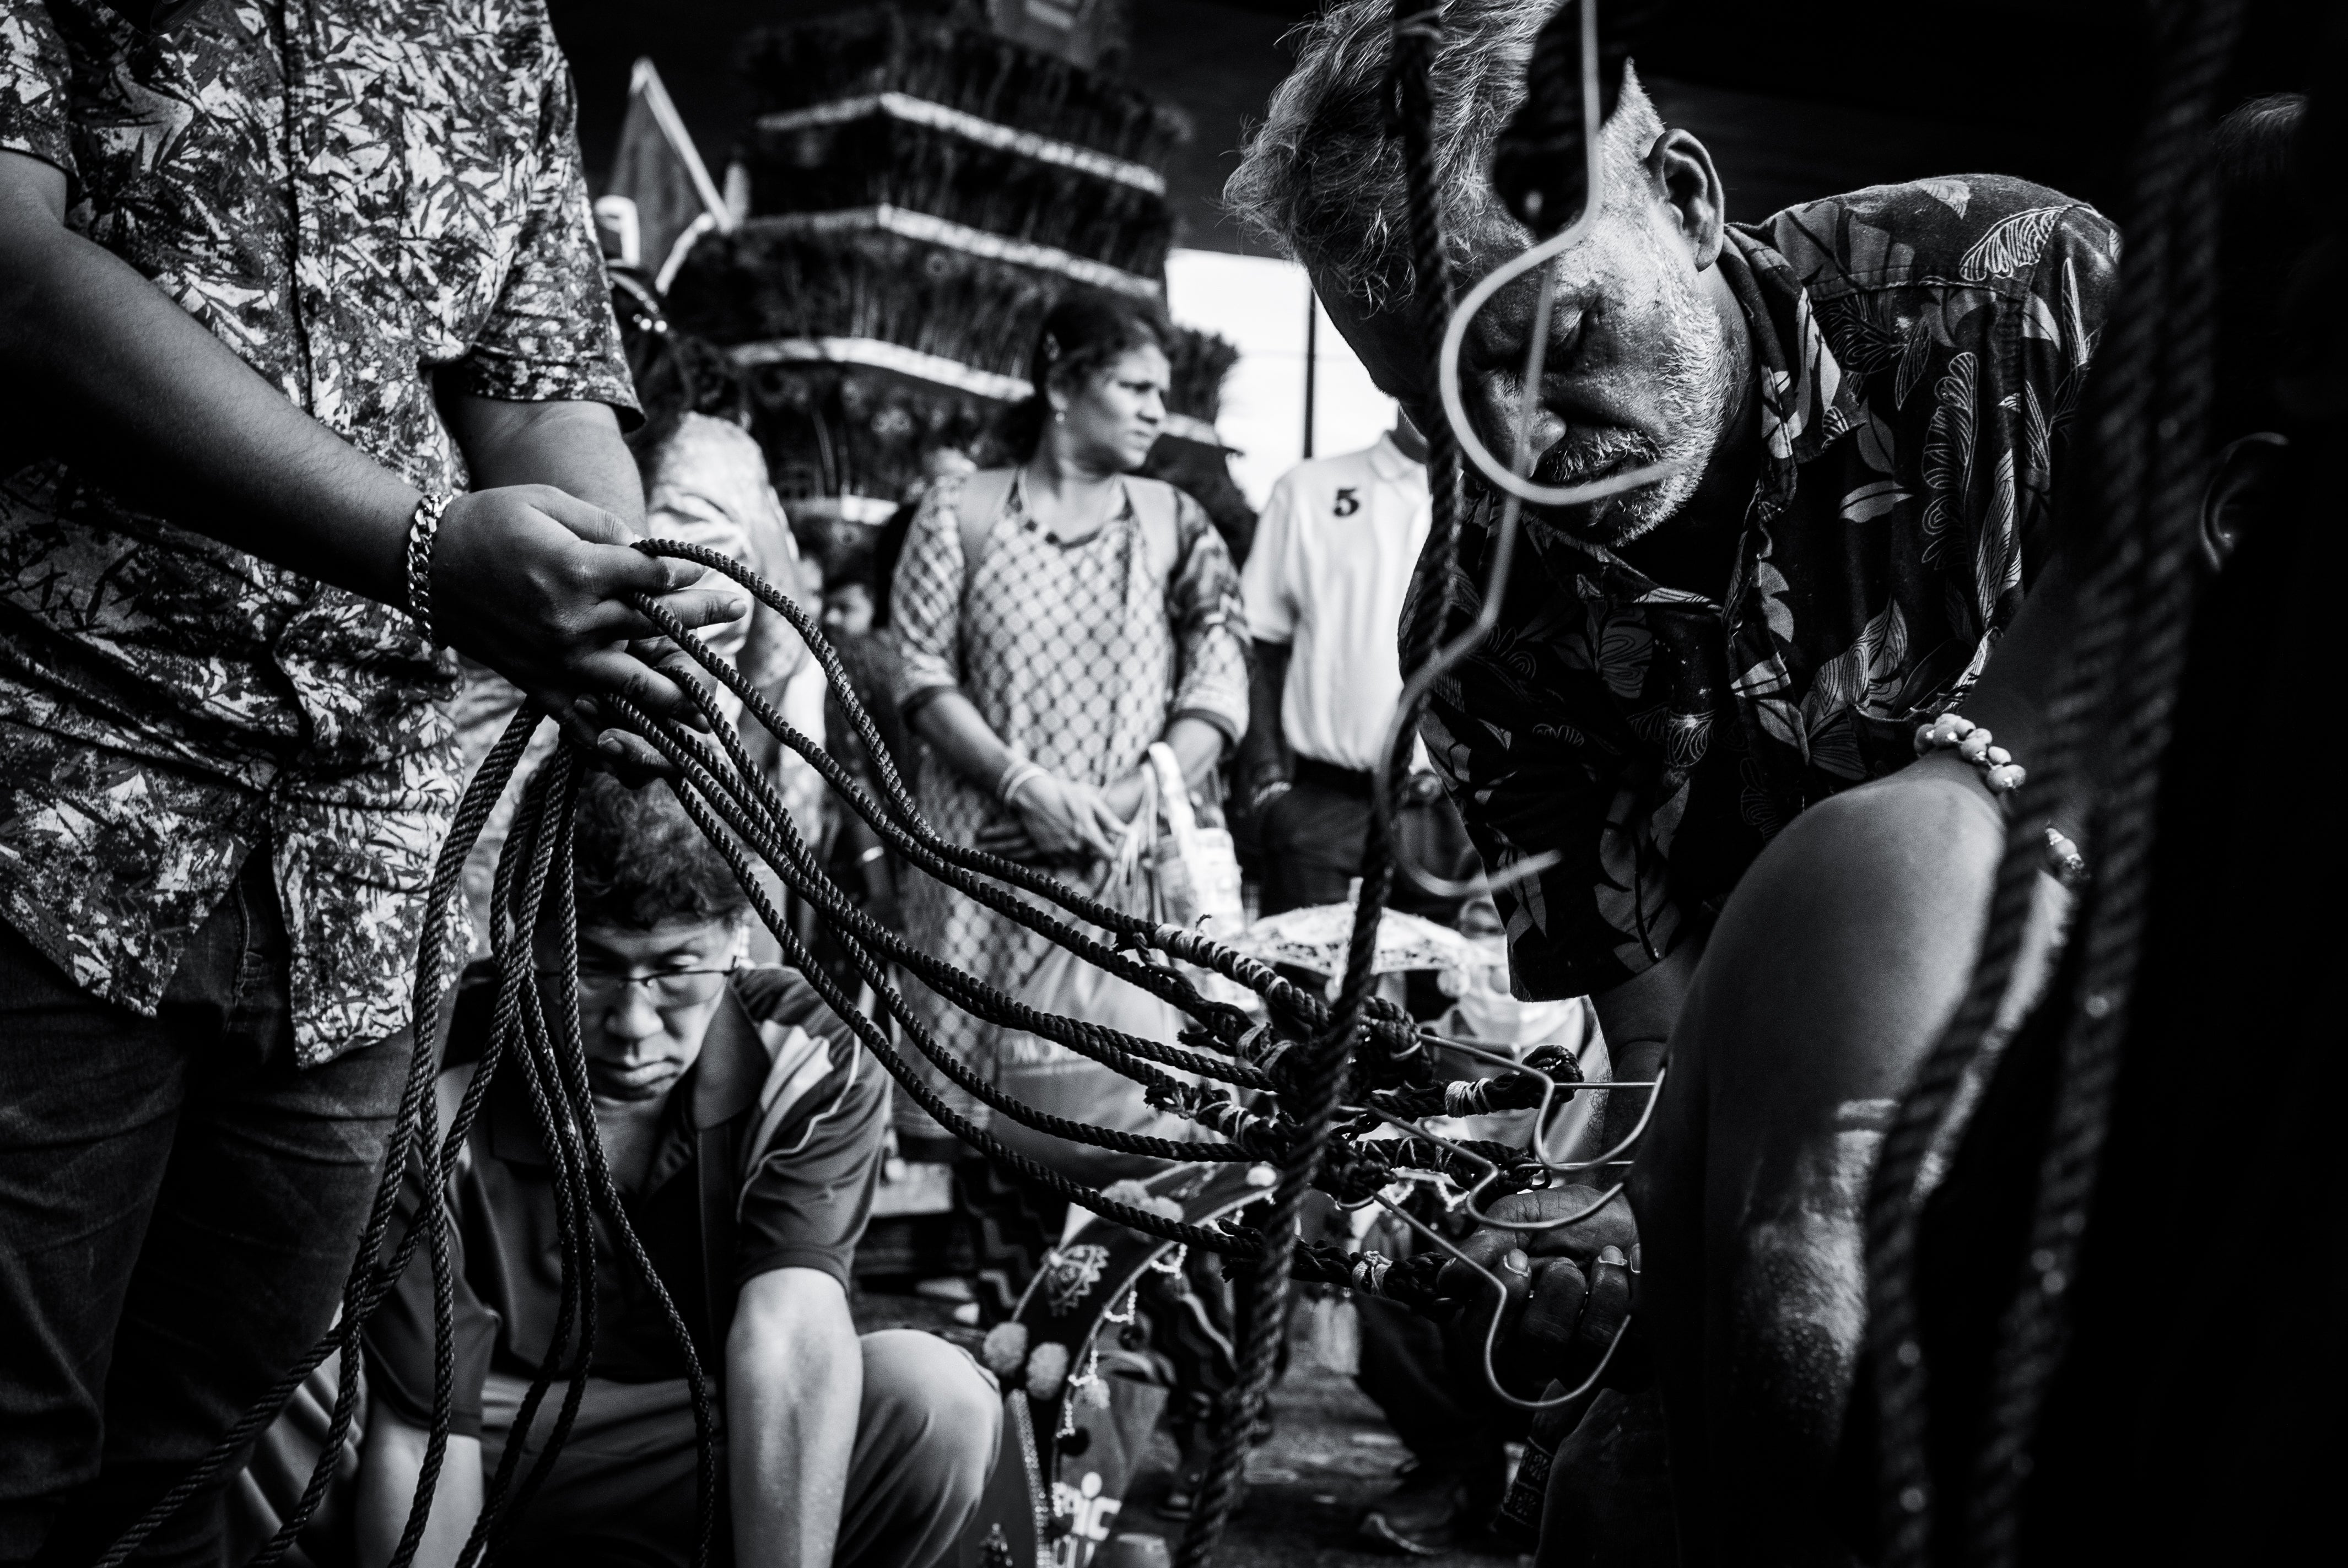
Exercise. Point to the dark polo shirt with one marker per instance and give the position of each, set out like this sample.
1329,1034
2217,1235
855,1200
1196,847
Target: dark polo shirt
769,1152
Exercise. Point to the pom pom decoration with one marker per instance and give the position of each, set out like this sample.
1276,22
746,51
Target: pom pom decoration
1006,1347
1047,1370
1133,1192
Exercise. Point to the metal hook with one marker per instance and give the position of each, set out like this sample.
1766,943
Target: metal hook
1538,1149
1492,1330
1513,483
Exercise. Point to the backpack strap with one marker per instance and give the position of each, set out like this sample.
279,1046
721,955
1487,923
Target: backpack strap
984,495
1157,508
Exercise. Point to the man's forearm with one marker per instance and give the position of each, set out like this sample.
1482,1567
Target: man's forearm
573,446
1637,1017
794,1387
1263,750
107,367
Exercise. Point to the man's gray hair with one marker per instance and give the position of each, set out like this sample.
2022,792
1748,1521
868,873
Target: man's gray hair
1322,178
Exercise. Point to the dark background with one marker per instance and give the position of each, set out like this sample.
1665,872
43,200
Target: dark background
1795,100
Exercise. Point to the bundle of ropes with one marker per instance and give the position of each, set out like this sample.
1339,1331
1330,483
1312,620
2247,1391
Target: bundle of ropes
2138,519
1304,1088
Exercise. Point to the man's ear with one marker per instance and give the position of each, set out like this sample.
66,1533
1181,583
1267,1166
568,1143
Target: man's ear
1680,167
2231,500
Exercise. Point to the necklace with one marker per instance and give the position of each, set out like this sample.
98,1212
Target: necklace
1051,535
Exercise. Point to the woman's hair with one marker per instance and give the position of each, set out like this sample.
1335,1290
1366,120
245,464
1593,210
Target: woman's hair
642,863
676,372
1081,335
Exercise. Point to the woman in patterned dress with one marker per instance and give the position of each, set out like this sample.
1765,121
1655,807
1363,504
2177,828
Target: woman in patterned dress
1063,614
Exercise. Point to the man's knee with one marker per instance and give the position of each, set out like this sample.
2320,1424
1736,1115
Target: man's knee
937,1413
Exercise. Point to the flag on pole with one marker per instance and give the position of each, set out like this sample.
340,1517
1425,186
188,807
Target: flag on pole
670,200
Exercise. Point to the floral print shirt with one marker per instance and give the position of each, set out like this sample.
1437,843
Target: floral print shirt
1919,351
365,200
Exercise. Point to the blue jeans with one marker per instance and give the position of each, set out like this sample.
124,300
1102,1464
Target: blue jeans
178,1207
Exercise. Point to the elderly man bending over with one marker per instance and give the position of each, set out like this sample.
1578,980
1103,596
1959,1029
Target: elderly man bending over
1867,396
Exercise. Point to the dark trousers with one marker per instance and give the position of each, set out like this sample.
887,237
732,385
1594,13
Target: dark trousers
178,1207
621,1492
1313,837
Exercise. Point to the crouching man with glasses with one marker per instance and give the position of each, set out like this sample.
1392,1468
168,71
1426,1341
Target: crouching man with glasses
742,1124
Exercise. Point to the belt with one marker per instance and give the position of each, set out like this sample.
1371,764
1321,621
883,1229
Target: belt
1330,777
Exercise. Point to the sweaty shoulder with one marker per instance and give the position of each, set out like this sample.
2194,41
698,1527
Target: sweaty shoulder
1858,925
1952,228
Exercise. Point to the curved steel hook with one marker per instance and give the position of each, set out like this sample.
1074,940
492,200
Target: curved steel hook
1511,480
1492,1330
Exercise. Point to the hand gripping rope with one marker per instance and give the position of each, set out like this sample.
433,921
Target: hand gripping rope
1302,1090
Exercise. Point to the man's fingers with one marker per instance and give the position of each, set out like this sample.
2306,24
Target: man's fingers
1459,1282
1559,1292
711,606
1601,1224
636,570
1490,1243
631,757
615,671
677,667
1610,1301
584,518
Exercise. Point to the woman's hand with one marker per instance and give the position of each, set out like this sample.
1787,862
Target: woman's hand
534,584
1065,818
1124,797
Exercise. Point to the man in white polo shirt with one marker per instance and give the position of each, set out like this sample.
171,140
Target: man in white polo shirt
1324,586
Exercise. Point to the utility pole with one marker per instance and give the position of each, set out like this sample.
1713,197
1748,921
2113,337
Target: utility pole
1312,360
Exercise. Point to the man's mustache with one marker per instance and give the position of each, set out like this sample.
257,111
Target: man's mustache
1582,454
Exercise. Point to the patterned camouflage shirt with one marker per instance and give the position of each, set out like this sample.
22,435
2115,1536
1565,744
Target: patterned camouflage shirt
363,199
1919,350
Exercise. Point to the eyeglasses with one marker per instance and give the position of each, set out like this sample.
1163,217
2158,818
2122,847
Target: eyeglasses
667,988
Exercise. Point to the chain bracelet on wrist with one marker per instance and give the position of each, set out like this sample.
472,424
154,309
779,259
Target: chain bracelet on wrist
423,530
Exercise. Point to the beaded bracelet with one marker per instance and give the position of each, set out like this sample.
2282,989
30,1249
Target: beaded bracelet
423,529
2003,776
1955,733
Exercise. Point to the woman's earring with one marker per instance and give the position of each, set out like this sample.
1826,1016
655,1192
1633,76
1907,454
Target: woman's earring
1059,416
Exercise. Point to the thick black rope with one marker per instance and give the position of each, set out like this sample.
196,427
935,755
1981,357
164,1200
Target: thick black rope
1130,1054
966,868
367,1284
2035,1331
2129,634
765,826
1321,1076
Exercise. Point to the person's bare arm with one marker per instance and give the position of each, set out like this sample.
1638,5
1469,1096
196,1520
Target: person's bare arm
1263,750
794,1387
1637,1017
1061,816
106,369
1199,744
393,1459
575,446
